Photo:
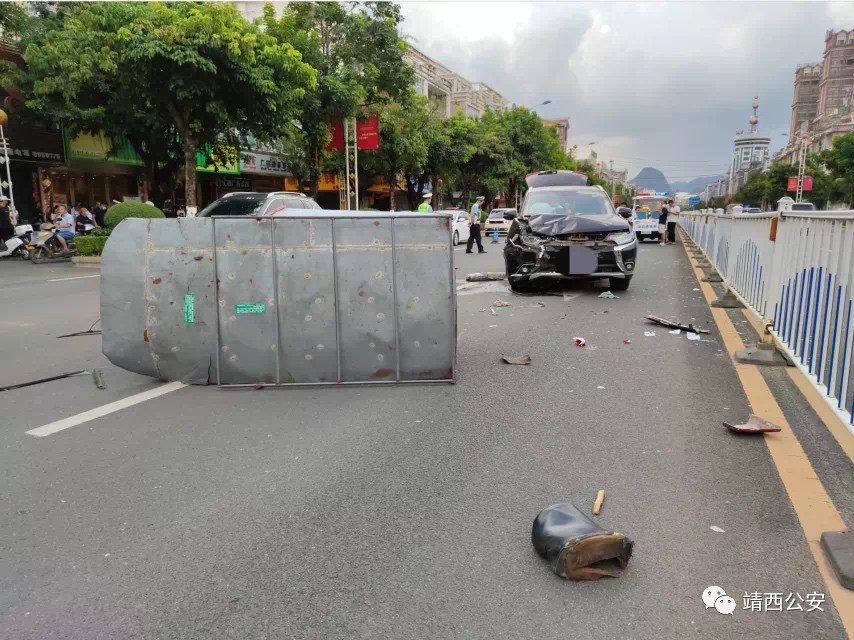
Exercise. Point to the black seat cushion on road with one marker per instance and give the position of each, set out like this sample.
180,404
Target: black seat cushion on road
572,543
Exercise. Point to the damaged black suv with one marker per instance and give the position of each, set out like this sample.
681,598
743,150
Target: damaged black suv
567,230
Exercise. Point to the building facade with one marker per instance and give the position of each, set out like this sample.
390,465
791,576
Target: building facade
449,92
562,127
805,99
834,114
749,152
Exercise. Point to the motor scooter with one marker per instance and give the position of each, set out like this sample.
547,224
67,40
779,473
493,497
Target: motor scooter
17,246
45,246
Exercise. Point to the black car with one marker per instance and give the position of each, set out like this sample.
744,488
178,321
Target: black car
568,231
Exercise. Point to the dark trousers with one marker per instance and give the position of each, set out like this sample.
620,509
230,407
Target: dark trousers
474,236
671,232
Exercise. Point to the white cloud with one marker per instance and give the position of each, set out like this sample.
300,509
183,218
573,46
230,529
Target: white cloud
658,84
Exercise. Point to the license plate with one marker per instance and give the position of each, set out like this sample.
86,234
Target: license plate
582,261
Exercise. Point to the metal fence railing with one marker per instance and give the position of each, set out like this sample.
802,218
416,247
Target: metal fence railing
795,269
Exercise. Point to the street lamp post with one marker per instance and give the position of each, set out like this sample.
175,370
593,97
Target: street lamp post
543,103
576,147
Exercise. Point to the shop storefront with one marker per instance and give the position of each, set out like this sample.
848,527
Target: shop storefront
97,170
267,171
328,191
215,173
34,151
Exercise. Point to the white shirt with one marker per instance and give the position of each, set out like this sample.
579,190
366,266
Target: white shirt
674,211
65,222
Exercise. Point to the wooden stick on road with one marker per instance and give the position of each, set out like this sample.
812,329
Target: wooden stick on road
600,498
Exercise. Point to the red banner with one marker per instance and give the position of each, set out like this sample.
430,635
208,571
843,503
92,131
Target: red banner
806,185
368,133
337,142
793,184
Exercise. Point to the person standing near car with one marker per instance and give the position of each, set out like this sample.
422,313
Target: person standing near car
100,211
425,207
474,226
672,221
662,224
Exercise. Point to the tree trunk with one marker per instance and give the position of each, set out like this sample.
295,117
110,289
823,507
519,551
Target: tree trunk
190,173
314,172
392,188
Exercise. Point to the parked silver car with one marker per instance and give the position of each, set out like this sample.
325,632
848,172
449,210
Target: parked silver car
254,204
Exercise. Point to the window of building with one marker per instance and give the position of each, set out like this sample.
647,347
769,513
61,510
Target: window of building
472,112
419,85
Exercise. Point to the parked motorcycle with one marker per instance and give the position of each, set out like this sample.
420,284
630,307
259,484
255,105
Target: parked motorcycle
45,246
17,246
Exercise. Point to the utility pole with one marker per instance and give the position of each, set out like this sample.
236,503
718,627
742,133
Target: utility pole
613,182
347,159
802,163
5,160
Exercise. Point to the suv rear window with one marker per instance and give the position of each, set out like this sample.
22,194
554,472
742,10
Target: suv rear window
567,203
237,206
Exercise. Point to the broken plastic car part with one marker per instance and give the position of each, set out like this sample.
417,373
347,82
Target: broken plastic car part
576,547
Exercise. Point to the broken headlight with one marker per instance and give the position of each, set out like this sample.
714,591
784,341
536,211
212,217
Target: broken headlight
621,237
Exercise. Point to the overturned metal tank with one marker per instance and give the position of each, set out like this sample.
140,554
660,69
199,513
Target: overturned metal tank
322,298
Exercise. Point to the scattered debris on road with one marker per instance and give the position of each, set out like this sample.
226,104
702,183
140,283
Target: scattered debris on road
754,424
502,303
574,545
579,342
482,310
600,387
89,332
516,359
98,377
696,336
608,295
675,325
676,332
717,529
539,304
488,275
597,505
649,334
627,341
493,311
51,379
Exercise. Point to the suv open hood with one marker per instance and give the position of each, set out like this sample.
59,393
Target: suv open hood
550,224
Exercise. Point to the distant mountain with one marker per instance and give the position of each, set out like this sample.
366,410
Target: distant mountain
651,179
697,185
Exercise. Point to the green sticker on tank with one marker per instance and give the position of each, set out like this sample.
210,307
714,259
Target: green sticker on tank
189,308
250,308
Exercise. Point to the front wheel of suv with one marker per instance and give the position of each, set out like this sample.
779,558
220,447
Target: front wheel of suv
620,284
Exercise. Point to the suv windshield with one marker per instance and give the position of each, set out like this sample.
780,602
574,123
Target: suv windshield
243,205
569,203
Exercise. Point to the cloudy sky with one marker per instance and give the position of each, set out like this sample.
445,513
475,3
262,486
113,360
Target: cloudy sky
663,84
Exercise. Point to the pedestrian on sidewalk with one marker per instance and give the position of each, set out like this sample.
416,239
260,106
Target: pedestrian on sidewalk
662,224
672,221
100,211
7,225
425,207
474,226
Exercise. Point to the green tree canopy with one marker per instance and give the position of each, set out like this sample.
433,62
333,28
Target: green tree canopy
840,160
164,74
358,55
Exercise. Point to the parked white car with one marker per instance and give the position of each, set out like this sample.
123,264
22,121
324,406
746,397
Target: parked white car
460,223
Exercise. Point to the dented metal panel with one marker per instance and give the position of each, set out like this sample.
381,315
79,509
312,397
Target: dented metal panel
318,299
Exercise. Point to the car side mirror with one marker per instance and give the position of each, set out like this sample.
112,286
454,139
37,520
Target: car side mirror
509,215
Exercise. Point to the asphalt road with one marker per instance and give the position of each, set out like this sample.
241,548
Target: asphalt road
394,512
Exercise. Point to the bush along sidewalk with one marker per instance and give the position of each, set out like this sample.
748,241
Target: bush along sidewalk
90,245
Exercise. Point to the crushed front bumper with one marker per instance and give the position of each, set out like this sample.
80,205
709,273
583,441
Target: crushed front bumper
551,261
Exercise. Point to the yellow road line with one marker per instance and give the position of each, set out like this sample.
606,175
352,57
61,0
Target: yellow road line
813,506
836,427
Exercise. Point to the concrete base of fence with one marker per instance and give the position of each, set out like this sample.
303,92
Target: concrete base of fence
728,301
764,354
704,264
839,548
713,276
86,261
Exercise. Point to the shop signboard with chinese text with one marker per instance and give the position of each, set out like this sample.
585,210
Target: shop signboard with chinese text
33,143
100,148
262,163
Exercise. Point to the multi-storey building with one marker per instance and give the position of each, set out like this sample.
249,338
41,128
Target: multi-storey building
834,113
805,100
562,127
449,92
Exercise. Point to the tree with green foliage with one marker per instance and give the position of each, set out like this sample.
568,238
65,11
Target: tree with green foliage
168,77
358,55
840,160
119,212
481,155
533,146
